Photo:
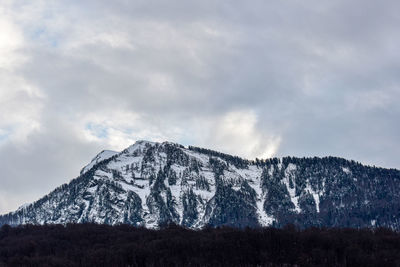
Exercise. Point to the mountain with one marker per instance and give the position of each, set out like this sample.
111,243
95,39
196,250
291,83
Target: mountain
152,184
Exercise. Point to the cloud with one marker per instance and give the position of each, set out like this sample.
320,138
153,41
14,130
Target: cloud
236,132
20,102
254,79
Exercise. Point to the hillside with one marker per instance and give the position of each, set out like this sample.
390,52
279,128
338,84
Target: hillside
152,184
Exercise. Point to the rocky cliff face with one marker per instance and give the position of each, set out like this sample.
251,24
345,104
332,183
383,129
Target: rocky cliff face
151,184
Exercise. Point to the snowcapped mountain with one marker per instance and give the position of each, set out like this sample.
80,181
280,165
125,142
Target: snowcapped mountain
150,184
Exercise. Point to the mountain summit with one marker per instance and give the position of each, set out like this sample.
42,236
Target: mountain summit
151,184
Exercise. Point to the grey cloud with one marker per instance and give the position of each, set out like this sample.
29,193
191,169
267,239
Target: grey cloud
48,159
322,77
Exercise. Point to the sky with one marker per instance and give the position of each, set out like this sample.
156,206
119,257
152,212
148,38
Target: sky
250,78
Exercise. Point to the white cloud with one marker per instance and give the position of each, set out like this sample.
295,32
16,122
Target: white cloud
117,129
11,40
236,132
20,102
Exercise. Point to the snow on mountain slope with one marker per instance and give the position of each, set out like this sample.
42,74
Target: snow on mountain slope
151,184
103,155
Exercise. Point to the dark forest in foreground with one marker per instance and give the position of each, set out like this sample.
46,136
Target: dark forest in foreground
123,245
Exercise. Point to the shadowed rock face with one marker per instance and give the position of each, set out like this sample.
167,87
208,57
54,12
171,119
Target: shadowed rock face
151,184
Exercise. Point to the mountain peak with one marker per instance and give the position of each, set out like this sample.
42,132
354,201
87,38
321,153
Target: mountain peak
103,155
152,183
139,144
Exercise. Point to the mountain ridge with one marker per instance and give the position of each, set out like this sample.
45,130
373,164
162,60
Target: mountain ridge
150,184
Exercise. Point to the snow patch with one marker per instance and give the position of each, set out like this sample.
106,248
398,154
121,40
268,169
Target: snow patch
290,174
103,155
346,170
315,195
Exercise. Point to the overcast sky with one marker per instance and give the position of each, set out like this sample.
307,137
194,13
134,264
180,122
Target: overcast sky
251,78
